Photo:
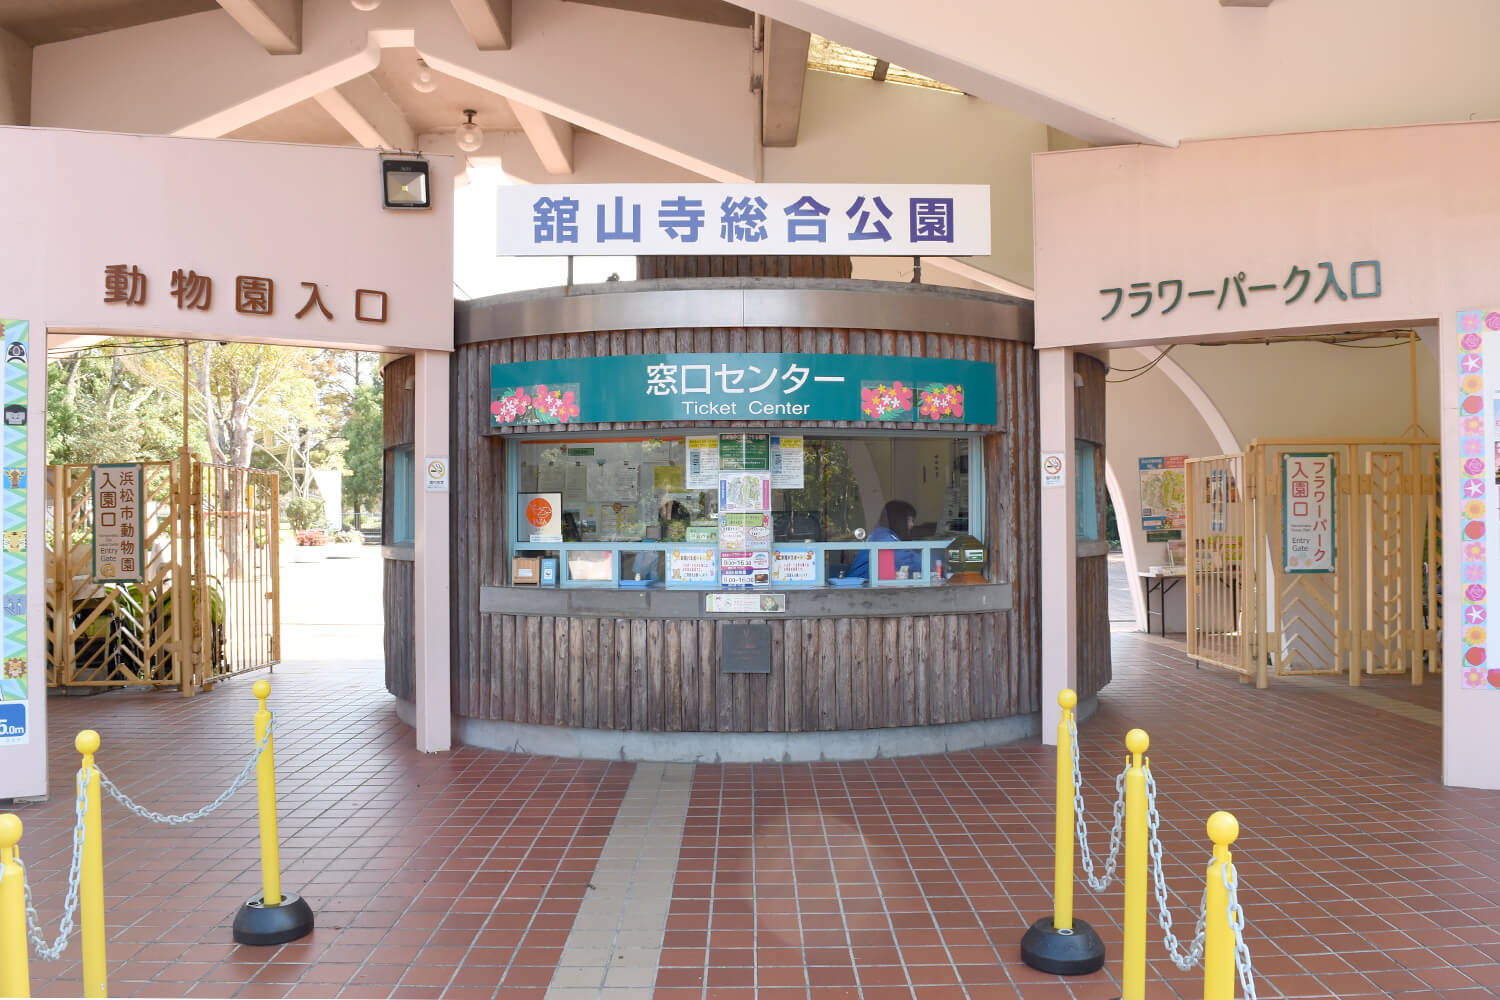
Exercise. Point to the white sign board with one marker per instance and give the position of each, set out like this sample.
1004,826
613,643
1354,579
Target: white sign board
437,475
1307,510
1052,469
865,220
117,523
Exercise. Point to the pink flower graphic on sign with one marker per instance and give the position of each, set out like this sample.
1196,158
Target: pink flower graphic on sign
942,401
1468,322
509,409
1474,550
1473,467
1473,677
1472,425
1474,593
555,405
878,400
1471,341
1492,320
1473,572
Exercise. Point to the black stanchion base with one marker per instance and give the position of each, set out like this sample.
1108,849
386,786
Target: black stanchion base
1063,953
257,923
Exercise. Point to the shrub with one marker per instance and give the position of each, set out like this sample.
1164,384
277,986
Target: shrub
303,512
348,538
312,538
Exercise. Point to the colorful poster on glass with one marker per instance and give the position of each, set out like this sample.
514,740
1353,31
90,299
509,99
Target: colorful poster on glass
1478,447
690,567
1308,513
15,685
1163,490
117,523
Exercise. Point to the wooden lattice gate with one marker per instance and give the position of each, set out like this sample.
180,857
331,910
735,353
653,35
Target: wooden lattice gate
208,543
1373,607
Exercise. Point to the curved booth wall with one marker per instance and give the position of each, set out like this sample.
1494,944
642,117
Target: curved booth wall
619,672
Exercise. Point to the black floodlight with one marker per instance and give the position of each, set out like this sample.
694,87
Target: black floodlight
405,184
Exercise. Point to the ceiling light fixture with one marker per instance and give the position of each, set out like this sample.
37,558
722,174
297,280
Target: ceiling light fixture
423,82
365,5
469,135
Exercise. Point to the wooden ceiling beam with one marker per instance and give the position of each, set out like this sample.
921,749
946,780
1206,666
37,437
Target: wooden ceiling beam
487,22
275,24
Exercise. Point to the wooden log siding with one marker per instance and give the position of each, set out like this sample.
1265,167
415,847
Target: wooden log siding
399,595
400,634
1094,666
663,675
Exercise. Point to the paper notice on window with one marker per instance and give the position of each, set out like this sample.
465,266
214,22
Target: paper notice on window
624,480
667,479
702,463
575,487
744,492
794,566
745,531
688,567
786,463
744,569
550,479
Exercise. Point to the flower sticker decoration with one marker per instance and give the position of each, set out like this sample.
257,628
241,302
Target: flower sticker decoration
1468,322
941,401
878,401
510,408
538,404
1473,677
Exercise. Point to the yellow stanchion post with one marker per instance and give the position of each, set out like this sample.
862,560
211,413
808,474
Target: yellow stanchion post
15,973
1061,944
273,917
1218,945
1133,949
91,874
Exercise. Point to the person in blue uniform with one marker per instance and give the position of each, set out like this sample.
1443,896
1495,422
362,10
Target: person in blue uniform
897,518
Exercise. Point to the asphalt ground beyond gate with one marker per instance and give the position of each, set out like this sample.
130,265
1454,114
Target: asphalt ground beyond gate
479,873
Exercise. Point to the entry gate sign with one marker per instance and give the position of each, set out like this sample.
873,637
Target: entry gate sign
862,220
117,523
1307,511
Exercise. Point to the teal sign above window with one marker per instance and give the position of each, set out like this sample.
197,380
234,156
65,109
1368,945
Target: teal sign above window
709,387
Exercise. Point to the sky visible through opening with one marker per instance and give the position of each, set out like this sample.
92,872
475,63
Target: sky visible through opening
478,273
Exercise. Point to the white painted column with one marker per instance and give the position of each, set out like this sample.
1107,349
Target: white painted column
1059,544
434,712
1469,716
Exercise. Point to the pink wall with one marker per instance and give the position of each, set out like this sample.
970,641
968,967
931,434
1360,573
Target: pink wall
80,201
1421,200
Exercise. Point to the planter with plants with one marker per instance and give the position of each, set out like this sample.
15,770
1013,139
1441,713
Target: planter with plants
311,546
345,545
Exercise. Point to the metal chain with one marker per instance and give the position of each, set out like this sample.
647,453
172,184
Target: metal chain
1194,954
234,786
70,905
1237,923
1116,832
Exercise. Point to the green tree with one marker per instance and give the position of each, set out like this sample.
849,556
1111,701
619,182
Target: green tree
101,408
364,430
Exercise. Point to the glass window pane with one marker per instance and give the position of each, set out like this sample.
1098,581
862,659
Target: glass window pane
1085,499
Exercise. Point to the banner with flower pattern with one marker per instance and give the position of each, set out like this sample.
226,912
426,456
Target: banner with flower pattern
858,388
1477,328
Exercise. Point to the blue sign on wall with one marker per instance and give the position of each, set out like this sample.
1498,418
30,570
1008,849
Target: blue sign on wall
736,387
12,722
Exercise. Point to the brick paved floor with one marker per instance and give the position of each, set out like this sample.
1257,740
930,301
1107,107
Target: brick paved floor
462,875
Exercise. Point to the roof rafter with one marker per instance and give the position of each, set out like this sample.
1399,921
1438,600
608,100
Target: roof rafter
487,21
275,24
368,114
552,138
785,52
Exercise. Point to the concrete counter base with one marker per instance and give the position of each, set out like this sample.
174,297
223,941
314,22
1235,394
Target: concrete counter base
743,748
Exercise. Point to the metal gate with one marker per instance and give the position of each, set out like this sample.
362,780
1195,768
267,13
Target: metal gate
236,569
1377,611
113,635
209,544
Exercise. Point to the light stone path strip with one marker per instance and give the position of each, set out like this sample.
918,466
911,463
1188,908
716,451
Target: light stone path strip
615,944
